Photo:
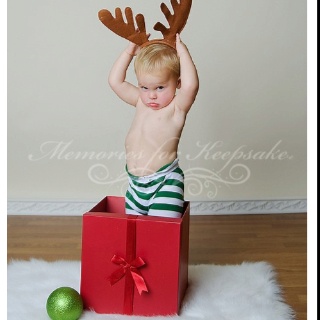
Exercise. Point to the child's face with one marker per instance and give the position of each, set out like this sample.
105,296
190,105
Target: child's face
157,89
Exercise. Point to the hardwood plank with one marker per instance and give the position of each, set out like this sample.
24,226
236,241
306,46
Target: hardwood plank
280,239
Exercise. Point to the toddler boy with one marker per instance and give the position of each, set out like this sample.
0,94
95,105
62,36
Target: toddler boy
156,182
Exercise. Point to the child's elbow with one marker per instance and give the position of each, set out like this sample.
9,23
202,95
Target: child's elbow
192,88
112,82
196,87
191,85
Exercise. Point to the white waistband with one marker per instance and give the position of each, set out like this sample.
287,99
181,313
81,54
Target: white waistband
164,170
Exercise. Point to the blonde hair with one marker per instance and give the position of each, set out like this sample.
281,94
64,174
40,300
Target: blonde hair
155,57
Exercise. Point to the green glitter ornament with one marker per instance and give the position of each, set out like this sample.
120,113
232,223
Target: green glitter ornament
64,303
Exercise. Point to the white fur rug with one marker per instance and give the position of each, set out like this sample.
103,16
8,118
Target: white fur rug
234,292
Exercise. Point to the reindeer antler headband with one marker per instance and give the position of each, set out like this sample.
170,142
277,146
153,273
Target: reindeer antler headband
137,34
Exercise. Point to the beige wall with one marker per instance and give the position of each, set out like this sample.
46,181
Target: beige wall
245,137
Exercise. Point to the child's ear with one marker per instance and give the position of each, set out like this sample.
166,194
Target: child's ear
179,83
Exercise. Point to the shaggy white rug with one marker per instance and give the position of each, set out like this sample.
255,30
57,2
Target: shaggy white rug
248,291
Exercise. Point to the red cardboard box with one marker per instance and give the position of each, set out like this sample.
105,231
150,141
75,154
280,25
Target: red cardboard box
124,254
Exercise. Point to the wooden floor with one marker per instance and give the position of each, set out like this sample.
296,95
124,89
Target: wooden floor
280,239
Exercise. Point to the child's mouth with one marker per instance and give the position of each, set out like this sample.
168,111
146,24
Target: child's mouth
153,105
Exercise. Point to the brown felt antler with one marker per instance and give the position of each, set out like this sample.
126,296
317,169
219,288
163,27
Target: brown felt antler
137,34
123,29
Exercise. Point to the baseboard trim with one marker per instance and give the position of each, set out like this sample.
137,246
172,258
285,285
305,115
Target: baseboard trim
77,208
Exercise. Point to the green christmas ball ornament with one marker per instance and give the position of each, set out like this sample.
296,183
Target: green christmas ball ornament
64,303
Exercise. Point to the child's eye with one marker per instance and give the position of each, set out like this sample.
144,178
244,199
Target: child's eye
144,88
160,88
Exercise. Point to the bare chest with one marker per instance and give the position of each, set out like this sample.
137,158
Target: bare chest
156,124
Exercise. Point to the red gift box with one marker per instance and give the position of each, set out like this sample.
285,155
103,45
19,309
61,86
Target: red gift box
133,264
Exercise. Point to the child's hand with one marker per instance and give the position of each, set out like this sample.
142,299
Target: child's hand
132,49
180,46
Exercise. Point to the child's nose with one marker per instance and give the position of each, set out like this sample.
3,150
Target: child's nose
152,94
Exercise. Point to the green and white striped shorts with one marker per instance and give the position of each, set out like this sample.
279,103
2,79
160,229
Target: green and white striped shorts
159,194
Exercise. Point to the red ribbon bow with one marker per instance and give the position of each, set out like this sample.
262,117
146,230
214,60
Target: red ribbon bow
129,267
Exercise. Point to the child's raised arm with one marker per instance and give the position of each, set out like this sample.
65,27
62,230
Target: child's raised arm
117,77
188,77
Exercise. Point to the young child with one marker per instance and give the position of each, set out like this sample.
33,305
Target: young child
156,182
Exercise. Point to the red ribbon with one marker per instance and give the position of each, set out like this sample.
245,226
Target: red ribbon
131,267
129,270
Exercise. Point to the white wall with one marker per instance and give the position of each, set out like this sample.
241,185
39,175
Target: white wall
245,137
